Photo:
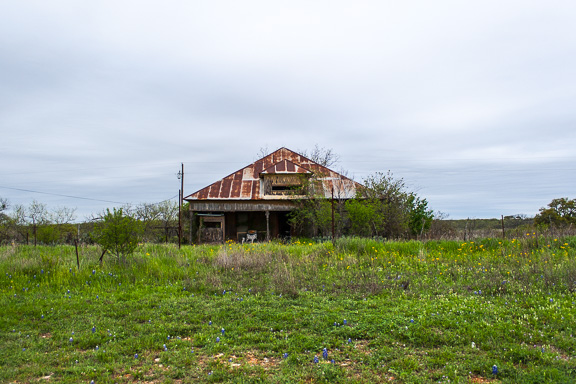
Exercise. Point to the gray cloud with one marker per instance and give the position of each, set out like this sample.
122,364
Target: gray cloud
472,104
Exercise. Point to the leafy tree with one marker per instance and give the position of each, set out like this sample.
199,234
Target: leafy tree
3,204
117,233
419,216
560,212
388,194
384,207
364,216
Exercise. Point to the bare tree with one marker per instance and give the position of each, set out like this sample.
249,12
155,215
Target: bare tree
148,214
36,214
323,156
63,215
168,215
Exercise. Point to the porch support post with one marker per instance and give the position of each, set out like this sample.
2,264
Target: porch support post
267,225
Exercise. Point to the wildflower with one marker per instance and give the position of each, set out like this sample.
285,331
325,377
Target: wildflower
222,331
136,356
165,348
315,359
210,322
217,339
345,322
325,354
285,355
494,370
71,340
349,340
93,329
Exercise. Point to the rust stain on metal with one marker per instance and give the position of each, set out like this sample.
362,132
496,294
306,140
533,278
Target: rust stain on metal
245,184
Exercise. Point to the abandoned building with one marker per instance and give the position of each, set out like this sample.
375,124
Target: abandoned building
254,202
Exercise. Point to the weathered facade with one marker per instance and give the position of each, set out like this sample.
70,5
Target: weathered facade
254,202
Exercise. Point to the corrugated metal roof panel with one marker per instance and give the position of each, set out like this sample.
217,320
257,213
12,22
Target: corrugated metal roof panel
244,184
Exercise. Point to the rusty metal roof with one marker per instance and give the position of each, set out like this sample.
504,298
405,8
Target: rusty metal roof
246,183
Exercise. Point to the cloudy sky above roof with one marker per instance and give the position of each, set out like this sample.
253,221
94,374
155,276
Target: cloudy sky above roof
471,103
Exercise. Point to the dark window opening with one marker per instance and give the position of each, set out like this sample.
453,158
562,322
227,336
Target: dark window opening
286,190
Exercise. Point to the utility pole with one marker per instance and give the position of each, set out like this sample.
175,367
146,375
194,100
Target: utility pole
333,231
180,203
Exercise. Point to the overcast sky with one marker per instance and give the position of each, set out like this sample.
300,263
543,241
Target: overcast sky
473,104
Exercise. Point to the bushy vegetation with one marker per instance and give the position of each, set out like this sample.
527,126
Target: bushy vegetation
382,207
356,310
36,224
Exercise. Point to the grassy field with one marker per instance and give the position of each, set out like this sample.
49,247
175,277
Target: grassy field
354,311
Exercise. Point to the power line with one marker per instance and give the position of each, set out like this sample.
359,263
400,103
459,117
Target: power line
78,197
57,194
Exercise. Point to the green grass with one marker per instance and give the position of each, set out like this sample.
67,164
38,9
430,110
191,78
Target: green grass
415,313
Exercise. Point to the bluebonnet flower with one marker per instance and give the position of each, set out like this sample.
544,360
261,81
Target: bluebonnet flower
223,331
494,370
97,348
94,329
93,271
325,354
71,340
332,361
411,320
349,340
285,355
136,356
42,316
345,322
210,322
551,300
315,359
217,339
165,348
